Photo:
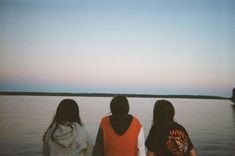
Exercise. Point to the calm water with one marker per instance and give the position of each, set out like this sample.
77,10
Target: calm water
23,119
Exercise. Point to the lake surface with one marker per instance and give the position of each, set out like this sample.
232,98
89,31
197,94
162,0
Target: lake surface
24,119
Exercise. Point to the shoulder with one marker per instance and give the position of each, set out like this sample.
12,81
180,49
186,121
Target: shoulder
83,133
105,118
154,130
178,130
178,126
82,129
49,131
135,119
156,127
104,121
136,123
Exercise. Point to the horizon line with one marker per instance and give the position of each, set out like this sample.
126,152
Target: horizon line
32,93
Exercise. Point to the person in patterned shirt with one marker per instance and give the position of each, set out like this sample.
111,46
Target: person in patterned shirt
166,137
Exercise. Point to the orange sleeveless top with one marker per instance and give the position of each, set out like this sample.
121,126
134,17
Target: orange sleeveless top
124,145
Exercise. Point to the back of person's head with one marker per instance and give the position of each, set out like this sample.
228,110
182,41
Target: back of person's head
67,111
163,112
119,105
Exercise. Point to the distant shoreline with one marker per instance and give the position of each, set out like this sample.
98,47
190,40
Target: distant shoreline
111,95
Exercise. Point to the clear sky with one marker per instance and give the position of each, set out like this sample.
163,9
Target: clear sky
119,46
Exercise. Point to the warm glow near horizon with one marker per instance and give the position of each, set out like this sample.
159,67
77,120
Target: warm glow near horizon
157,47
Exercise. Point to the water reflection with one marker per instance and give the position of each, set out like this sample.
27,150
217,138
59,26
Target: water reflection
211,123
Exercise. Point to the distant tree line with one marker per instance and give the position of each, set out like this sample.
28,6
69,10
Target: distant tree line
113,94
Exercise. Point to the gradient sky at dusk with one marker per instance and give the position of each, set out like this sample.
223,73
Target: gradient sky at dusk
134,46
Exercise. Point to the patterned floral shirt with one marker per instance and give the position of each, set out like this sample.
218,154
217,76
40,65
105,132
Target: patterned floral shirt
169,140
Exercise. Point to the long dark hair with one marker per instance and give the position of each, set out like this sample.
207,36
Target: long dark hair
163,113
67,111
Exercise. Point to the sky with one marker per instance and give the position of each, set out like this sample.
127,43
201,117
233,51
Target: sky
109,46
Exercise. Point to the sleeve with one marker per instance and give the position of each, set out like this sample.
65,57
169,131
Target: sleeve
99,148
141,146
89,149
149,141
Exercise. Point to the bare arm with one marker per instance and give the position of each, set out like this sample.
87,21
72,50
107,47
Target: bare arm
89,149
149,153
192,152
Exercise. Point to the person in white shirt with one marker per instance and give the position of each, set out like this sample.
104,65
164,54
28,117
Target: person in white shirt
66,135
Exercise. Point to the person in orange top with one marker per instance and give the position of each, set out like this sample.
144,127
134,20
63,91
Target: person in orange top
120,134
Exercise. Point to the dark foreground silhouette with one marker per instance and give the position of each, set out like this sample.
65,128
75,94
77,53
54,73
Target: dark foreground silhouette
233,96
